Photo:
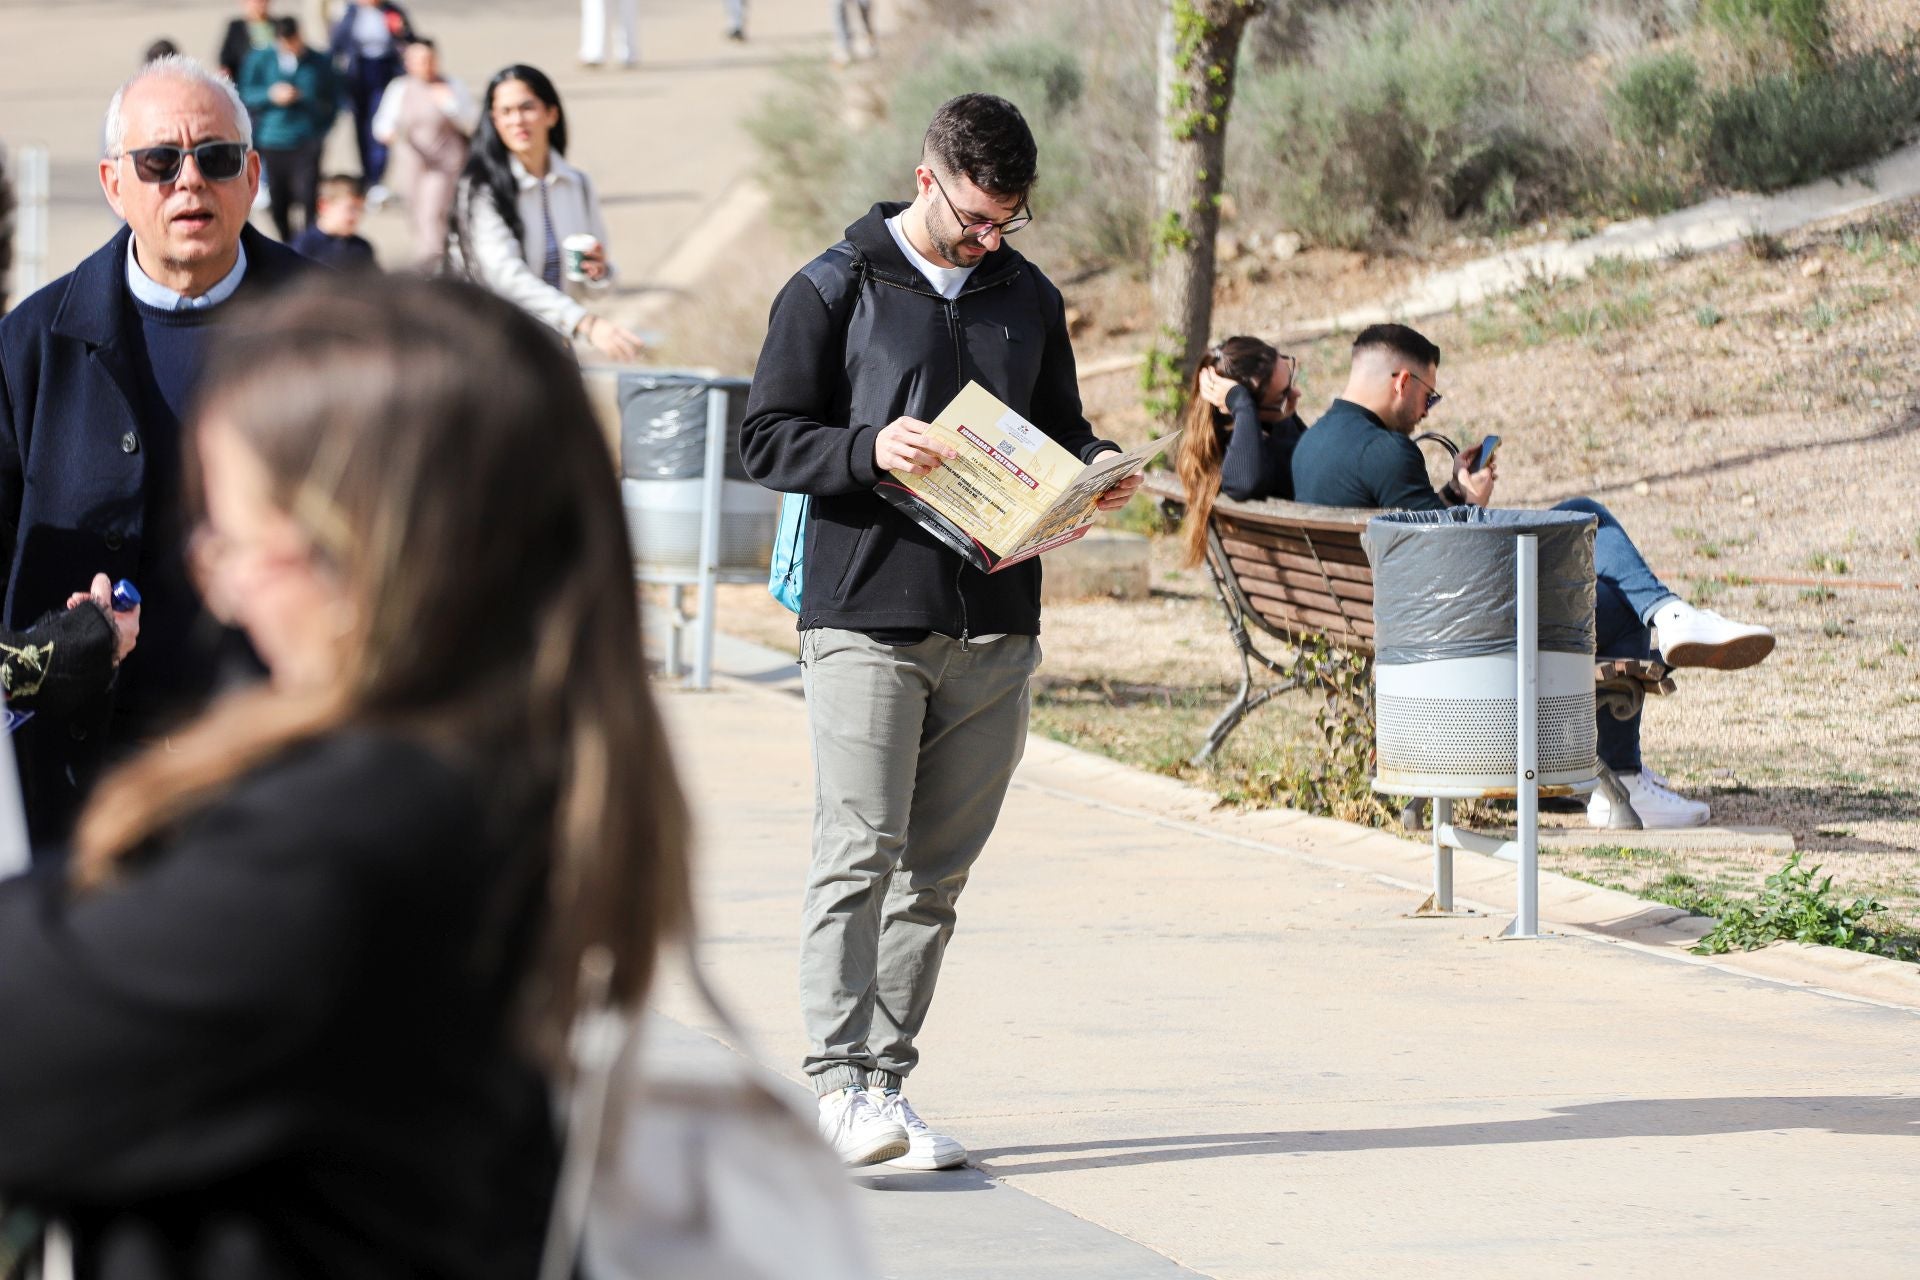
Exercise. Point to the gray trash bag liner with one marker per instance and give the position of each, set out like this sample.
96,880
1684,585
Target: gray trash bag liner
663,425
1443,582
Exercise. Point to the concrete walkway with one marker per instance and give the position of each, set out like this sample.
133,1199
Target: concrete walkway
1215,1040
1698,229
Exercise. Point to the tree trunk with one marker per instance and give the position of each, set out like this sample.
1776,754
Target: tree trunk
1199,49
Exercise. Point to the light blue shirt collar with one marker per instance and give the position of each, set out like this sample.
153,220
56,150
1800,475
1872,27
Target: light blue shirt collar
158,296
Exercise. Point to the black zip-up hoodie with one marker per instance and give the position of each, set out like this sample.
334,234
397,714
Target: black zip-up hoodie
858,338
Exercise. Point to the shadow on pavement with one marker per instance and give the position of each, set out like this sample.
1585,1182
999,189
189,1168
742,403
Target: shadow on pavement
967,1179
1633,1118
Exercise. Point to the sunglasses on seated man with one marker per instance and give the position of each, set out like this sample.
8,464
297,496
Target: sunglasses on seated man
217,161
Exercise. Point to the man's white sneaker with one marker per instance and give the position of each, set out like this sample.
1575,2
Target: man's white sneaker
856,1130
1691,637
926,1149
1657,804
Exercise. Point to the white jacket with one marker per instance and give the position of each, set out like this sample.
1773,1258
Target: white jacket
510,267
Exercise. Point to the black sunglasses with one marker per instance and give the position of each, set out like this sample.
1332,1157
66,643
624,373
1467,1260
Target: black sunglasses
217,161
1433,397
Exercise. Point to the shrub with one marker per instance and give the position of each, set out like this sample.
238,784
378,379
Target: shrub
1094,142
1801,25
1655,99
1404,112
1790,128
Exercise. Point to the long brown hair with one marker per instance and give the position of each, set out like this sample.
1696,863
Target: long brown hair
1249,362
437,448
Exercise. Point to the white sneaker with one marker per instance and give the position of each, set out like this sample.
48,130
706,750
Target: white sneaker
1691,637
378,196
1657,804
926,1149
856,1130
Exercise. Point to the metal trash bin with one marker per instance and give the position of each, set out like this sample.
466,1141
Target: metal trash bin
663,442
1446,661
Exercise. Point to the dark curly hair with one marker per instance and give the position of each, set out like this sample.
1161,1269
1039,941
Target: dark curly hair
985,140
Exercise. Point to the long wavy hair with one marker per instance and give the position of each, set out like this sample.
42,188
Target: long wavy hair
488,171
436,447
1249,362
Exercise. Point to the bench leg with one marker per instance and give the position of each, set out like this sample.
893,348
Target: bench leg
1620,808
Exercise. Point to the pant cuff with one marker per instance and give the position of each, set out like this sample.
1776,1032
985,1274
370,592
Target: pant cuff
834,1079
880,1081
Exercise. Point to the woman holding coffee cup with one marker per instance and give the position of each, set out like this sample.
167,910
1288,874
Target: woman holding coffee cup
527,223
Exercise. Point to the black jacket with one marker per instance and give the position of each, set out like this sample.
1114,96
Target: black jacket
280,1045
1257,457
74,496
859,338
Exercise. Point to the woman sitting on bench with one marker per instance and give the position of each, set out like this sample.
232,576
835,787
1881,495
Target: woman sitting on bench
1240,432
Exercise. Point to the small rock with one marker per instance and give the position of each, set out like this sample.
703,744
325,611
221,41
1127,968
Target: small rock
1076,321
1812,267
1226,248
1642,488
1779,335
1747,499
1228,209
1284,245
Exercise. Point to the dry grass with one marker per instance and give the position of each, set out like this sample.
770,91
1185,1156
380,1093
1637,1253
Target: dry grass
1754,421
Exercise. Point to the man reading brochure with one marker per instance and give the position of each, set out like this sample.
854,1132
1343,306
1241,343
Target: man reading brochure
915,662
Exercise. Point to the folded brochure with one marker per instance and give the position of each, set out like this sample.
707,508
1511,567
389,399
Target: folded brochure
1012,492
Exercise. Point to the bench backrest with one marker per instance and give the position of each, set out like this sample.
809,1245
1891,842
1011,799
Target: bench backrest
1295,570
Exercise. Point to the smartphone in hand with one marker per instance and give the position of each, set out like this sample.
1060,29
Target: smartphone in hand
1477,458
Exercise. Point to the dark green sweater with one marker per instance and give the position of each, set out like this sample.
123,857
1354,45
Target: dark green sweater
1352,459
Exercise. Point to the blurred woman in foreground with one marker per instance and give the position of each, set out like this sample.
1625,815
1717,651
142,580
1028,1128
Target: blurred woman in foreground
1241,427
302,1005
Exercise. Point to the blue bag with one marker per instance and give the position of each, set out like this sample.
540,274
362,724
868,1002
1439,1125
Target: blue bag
789,550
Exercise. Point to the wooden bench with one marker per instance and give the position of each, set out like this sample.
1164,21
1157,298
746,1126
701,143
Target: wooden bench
1298,574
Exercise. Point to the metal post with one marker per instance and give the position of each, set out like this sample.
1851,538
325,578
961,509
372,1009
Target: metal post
1526,560
711,477
1442,857
34,190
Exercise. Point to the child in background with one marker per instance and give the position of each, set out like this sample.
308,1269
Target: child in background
333,238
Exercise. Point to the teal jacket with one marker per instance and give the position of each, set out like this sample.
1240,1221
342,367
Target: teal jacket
307,118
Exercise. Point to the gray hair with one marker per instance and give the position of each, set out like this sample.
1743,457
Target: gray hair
175,66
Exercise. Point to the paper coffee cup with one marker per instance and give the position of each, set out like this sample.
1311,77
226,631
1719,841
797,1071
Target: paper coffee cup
574,250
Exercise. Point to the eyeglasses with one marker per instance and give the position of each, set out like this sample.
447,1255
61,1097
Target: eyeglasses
1433,397
974,230
1293,371
217,161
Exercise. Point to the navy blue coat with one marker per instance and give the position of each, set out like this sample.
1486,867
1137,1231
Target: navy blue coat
73,472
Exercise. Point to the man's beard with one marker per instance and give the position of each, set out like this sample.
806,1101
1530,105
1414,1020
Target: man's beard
948,247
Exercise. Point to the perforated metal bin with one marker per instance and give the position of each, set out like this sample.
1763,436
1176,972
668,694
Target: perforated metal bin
1446,665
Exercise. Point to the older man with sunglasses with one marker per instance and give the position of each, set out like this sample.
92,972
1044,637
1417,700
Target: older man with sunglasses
96,371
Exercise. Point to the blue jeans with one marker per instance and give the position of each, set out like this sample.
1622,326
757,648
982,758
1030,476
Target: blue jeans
1625,595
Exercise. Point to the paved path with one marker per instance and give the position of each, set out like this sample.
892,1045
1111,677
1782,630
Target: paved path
1713,224
1216,1036
663,143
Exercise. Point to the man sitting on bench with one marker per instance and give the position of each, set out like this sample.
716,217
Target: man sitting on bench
1361,454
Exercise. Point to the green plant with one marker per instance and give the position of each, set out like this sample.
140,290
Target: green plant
1826,562
1336,779
1793,907
1707,316
1763,246
1816,595
1655,99
1820,316
1801,25
1792,127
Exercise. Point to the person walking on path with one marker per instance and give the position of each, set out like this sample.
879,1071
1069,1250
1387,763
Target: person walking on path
520,202
595,16
844,47
302,1005
429,119
95,372
290,90
1361,454
366,46
916,664
245,36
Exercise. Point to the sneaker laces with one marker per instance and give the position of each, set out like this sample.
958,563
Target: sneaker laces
848,1114
895,1107
1657,787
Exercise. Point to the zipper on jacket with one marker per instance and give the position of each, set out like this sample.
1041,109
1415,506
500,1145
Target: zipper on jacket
959,571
